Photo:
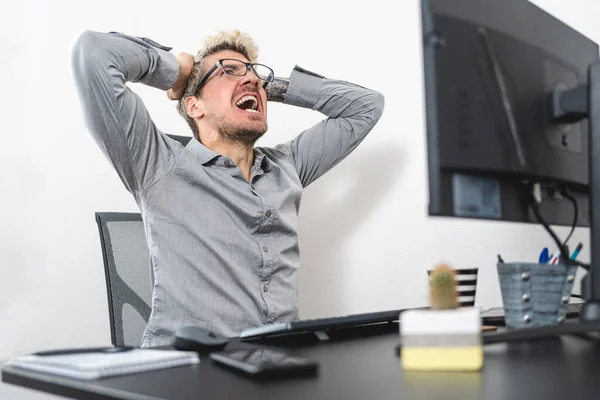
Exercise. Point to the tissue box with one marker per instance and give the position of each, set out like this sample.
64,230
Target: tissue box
441,340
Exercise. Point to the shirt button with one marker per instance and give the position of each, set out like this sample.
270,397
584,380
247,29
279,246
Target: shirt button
266,249
265,288
227,163
268,214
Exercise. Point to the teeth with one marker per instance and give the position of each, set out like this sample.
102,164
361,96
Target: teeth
248,98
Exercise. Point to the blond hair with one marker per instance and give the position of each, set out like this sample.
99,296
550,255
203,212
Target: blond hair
223,40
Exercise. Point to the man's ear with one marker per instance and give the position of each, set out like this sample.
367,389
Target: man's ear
194,107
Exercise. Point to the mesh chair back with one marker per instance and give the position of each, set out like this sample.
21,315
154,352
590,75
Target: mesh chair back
181,139
466,285
128,275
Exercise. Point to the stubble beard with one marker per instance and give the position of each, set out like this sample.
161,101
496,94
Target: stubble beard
243,134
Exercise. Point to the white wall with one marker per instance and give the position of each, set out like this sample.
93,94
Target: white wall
365,237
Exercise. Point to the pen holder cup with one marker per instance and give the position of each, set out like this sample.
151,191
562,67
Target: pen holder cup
535,294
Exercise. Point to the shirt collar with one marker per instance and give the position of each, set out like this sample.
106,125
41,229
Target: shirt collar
205,154
261,161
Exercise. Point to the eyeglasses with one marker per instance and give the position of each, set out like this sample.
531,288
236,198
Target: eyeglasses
233,67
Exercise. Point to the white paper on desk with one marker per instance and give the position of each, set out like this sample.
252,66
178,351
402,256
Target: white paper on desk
100,365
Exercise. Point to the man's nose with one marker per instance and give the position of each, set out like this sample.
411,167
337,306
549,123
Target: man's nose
250,79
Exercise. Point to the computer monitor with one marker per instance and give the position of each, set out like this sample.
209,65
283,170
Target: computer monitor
489,67
508,94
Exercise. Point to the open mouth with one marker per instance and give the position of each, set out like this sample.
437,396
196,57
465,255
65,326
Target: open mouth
248,103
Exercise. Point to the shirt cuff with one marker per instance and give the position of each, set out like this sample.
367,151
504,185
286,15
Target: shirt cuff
166,74
166,67
304,89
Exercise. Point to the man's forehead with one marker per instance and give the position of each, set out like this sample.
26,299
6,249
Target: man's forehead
213,58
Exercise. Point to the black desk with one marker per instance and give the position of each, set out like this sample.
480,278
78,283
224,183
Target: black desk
360,368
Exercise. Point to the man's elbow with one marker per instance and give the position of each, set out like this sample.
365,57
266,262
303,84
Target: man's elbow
378,104
84,45
87,53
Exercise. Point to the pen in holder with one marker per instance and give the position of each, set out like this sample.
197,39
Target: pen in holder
535,294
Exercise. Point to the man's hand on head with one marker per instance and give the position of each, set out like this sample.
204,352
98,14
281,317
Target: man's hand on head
186,64
277,89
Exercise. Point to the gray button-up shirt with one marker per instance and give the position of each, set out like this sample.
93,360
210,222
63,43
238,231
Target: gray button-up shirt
224,251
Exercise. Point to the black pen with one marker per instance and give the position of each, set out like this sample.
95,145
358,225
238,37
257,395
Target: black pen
61,352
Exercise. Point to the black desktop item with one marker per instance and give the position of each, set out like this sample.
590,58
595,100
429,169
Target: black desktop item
489,69
199,339
510,134
321,326
266,364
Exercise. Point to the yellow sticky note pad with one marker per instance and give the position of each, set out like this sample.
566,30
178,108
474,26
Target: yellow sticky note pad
442,358
444,340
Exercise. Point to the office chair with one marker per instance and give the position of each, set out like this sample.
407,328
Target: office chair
181,139
128,275
129,279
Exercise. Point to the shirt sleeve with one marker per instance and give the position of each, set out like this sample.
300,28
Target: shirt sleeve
102,63
352,112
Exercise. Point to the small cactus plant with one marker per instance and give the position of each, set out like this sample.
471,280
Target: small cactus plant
442,288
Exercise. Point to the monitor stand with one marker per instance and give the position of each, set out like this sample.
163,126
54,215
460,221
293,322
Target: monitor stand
571,106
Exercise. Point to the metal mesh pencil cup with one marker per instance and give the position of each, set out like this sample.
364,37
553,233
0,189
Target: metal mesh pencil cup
535,294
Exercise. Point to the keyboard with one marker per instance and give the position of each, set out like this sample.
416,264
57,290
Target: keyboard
320,324
490,316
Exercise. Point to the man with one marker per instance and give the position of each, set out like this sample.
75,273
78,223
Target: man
220,215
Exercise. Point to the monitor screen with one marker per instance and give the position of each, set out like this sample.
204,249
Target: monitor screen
490,68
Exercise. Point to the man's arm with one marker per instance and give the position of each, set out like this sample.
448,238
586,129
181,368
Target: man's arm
117,118
352,112
277,90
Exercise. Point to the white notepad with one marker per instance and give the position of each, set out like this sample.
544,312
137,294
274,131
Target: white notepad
100,365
